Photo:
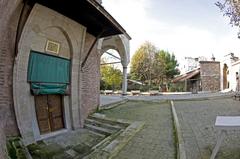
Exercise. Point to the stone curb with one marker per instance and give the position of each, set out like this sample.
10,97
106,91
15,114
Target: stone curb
112,105
203,98
181,152
112,145
159,101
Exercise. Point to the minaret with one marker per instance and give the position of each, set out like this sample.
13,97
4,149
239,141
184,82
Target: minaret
213,58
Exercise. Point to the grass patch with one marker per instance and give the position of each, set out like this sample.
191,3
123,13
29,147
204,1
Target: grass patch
15,148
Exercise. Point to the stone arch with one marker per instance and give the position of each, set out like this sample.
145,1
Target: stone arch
121,44
33,38
65,34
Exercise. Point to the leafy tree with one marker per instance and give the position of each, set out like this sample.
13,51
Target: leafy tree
111,77
231,9
152,65
142,62
170,64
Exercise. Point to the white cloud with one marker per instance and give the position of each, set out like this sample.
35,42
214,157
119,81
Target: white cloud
183,40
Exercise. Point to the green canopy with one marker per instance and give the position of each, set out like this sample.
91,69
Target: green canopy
48,74
48,88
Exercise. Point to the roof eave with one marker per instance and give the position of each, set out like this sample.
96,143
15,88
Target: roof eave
100,8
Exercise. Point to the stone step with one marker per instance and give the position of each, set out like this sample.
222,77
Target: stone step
100,130
96,133
120,124
102,124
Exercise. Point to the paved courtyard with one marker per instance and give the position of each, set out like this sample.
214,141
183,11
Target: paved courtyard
156,139
111,99
197,120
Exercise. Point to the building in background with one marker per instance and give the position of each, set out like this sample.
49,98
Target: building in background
204,78
230,67
190,63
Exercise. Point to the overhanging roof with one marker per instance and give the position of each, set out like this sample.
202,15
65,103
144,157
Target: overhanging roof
187,75
88,13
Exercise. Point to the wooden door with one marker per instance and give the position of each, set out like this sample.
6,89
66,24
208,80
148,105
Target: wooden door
49,113
41,104
55,112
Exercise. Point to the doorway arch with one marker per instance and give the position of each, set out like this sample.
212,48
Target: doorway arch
225,76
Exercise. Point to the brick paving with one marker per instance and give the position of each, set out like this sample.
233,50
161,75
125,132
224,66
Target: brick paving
197,120
156,139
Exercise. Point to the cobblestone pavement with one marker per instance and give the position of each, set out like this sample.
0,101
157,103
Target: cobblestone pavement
156,139
197,120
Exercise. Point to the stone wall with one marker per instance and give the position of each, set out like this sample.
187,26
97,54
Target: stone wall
90,79
9,15
44,24
85,82
210,75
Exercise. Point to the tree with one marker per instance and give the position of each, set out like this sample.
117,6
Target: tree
142,62
151,65
165,67
231,9
111,76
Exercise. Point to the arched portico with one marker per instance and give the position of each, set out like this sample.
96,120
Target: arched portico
120,43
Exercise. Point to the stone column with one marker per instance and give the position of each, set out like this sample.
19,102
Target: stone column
124,81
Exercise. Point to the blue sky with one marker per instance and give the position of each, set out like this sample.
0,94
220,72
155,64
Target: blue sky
184,27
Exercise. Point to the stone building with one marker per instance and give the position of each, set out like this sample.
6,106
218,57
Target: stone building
230,69
50,64
210,75
204,78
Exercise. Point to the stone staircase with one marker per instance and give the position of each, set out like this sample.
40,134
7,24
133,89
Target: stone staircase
102,138
117,133
102,127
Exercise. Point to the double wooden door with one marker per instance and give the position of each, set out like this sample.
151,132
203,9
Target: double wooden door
49,111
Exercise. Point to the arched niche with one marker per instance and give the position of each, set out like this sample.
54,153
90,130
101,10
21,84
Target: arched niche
44,24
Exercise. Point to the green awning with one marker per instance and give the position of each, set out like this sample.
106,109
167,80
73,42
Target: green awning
48,74
48,88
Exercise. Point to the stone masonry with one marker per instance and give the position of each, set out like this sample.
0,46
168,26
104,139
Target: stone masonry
90,85
9,15
210,75
27,27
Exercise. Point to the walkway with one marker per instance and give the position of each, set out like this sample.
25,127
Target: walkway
197,120
110,99
156,139
179,96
